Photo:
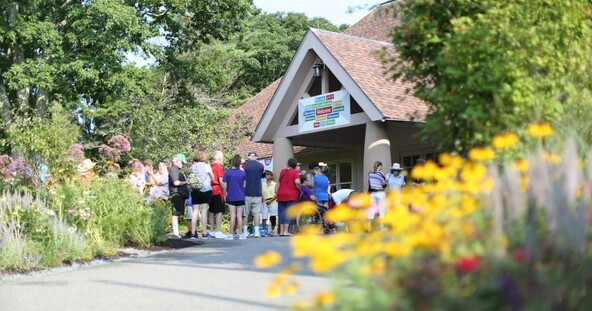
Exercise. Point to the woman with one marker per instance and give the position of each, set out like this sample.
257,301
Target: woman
160,182
376,186
394,179
137,178
234,182
270,208
201,197
288,189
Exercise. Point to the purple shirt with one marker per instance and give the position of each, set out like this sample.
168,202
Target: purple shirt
306,193
234,179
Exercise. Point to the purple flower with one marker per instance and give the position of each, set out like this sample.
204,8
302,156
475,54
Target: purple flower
121,143
5,160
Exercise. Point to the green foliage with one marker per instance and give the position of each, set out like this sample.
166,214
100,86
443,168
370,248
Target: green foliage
47,141
490,66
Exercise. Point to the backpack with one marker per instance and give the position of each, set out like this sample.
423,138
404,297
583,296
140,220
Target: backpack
194,179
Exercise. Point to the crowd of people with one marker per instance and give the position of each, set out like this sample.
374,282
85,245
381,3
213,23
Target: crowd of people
203,191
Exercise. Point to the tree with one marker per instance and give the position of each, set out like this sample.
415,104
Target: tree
486,67
74,52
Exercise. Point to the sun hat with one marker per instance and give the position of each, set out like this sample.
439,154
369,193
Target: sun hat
86,166
181,157
396,167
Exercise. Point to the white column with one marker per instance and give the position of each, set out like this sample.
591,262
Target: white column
282,151
377,147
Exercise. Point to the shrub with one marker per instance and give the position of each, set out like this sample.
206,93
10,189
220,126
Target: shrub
478,235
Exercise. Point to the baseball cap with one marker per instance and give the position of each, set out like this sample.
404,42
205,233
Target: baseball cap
181,157
252,154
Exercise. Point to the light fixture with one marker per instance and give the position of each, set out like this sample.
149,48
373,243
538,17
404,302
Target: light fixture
318,69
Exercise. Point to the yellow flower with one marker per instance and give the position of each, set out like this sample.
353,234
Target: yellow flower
303,208
505,141
551,157
522,165
540,130
268,259
326,299
291,288
481,154
273,290
341,213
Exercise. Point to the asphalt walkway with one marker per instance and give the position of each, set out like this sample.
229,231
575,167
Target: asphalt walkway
218,275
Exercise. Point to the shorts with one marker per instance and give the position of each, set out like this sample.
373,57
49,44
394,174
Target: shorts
216,204
377,207
269,210
236,203
178,205
189,212
252,205
198,197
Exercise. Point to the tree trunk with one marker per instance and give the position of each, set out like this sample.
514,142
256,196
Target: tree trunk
19,58
5,111
41,103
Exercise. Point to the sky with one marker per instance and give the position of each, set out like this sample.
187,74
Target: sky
337,11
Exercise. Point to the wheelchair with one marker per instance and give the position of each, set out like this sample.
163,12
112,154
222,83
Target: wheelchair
311,217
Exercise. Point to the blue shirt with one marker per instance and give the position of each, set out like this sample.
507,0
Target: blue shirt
234,179
254,171
321,187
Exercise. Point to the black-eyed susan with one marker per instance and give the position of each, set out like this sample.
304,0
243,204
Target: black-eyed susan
481,154
268,259
505,141
540,130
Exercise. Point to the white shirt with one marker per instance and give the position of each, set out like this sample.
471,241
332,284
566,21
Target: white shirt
341,195
395,182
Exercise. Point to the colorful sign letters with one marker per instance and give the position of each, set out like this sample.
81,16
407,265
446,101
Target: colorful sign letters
323,111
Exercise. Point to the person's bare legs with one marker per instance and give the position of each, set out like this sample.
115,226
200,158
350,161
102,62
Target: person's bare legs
194,218
232,210
239,213
175,223
218,218
203,208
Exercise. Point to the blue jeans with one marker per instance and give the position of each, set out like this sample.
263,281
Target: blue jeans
282,207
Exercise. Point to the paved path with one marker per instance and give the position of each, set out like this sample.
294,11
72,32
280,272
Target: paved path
217,275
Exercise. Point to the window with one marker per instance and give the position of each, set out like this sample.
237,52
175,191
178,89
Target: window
409,158
340,175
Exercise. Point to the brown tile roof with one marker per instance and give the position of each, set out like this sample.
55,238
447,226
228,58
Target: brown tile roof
377,25
359,57
254,109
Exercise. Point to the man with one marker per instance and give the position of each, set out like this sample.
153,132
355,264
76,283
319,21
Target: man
253,197
178,191
217,202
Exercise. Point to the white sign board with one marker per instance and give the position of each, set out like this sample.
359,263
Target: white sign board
323,111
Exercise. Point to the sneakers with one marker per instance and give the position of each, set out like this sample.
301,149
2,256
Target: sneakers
193,236
242,237
219,235
207,236
229,237
257,234
176,236
187,235
235,235
264,233
272,233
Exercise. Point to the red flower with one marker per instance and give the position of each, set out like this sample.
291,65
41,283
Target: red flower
521,255
468,264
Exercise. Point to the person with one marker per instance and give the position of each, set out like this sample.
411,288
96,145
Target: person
270,207
217,202
200,196
394,179
287,189
137,178
306,193
376,186
178,191
321,183
234,182
253,198
342,196
85,171
160,181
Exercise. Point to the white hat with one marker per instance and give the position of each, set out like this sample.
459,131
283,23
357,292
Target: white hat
396,167
86,166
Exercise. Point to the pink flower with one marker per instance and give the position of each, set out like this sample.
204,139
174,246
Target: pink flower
121,143
468,264
109,153
70,210
76,153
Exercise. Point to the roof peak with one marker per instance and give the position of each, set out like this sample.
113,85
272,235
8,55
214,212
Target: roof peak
343,35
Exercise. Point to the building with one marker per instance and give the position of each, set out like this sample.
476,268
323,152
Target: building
335,104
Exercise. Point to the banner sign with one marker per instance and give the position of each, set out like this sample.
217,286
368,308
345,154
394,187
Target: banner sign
323,111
